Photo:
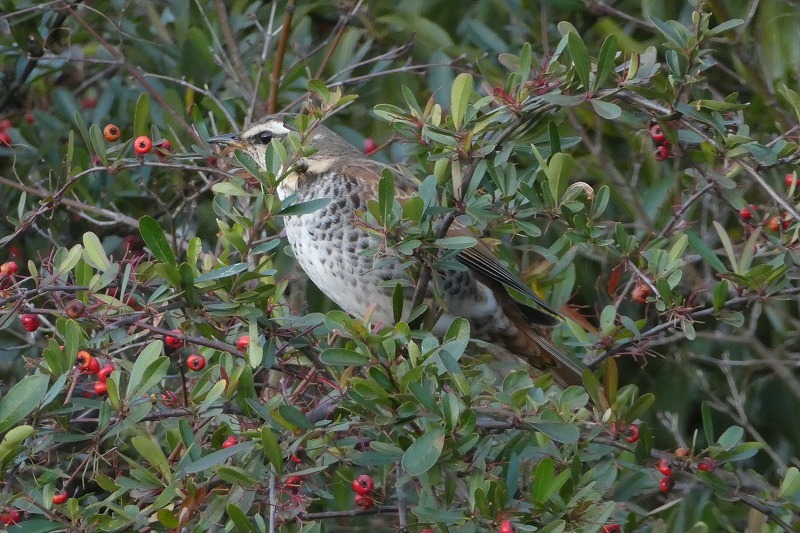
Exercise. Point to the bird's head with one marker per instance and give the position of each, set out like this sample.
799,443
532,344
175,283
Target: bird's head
255,139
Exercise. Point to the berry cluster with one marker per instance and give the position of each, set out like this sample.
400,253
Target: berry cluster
7,271
662,144
778,222
362,486
141,145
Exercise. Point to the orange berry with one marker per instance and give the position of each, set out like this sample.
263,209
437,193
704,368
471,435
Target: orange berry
641,292
142,145
774,224
111,133
84,360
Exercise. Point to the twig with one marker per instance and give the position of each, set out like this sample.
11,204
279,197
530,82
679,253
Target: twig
280,53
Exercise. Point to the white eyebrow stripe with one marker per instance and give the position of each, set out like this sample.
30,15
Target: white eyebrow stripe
276,127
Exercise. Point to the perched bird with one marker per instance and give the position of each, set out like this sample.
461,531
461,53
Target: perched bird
329,244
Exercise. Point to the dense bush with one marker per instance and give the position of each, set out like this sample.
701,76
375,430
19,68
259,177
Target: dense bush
635,164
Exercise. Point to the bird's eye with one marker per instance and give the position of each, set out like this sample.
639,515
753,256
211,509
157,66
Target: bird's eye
265,137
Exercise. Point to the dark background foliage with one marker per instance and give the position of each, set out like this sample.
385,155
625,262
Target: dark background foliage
674,291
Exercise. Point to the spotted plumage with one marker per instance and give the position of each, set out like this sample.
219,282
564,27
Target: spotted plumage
333,246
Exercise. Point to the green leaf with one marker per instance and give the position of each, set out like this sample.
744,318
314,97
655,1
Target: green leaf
156,240
222,272
22,399
141,116
272,449
580,58
731,437
146,358
304,208
607,110
725,26
385,197
790,485
605,61
98,143
558,431
459,98
93,252
152,453
705,252
668,29
293,417
215,458
342,357
424,452
239,518
543,485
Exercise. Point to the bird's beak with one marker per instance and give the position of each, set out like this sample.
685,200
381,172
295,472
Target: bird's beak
231,140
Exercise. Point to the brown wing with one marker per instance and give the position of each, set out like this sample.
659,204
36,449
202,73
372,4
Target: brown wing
531,340
481,259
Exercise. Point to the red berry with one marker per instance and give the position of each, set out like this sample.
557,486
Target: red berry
611,528
174,342
746,213
29,118
5,124
656,134
9,517
664,467
661,153
506,527
30,322
100,388
363,484
631,433
364,501
196,362
84,360
142,145
59,498
230,441
243,342
293,483
707,464
790,179
370,146
5,139
9,267
105,373
94,366
667,482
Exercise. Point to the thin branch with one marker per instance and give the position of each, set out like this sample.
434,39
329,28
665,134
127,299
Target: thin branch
280,53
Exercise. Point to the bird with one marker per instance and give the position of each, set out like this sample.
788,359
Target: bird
330,245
